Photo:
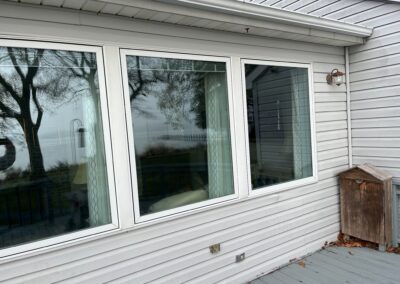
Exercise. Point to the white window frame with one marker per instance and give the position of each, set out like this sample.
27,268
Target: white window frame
70,236
272,189
187,209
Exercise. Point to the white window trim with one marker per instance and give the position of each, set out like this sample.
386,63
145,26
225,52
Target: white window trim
35,245
191,208
277,188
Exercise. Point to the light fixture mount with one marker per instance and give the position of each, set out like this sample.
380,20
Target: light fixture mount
335,77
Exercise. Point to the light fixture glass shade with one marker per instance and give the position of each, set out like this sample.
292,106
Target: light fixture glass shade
335,77
337,80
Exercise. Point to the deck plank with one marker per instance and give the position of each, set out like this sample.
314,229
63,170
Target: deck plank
329,274
364,268
385,270
339,265
302,274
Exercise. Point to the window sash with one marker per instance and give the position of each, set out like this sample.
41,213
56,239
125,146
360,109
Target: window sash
57,240
275,188
134,180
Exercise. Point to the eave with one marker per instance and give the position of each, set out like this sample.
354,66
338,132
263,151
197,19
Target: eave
258,20
223,15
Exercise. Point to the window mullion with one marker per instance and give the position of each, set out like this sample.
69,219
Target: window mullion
240,121
118,132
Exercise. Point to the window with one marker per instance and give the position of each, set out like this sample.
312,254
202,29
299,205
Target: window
180,119
279,123
54,177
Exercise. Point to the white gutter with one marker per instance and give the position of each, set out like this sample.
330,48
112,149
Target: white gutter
231,10
276,15
349,133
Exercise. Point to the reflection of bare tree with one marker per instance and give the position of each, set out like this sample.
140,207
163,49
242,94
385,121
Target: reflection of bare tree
138,84
30,80
180,94
83,66
18,95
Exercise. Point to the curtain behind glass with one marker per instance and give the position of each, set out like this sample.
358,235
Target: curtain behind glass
98,200
301,124
218,140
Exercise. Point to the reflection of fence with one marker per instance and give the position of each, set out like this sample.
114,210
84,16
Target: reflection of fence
187,138
29,203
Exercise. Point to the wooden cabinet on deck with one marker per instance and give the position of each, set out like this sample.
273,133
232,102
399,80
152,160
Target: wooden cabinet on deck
366,204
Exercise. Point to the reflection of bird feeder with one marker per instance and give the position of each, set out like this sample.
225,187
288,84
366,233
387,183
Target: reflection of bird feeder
81,132
81,138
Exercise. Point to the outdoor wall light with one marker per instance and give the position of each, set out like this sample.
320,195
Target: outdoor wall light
335,77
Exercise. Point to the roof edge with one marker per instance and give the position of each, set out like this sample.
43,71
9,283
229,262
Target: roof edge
273,14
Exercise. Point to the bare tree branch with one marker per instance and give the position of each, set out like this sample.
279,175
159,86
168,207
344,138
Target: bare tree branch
8,112
34,66
9,89
15,63
71,62
38,107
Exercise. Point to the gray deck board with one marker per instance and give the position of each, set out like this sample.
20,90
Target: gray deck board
301,274
382,270
340,265
328,274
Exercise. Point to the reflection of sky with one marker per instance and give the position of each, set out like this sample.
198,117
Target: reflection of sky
54,136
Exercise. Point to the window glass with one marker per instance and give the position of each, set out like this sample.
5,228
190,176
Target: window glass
52,163
181,131
278,124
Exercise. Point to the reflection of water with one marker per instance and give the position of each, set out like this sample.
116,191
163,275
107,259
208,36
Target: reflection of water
155,130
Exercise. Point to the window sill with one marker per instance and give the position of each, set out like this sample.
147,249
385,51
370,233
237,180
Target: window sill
278,188
55,243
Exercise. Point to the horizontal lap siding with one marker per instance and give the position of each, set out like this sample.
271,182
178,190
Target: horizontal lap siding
375,86
270,229
374,74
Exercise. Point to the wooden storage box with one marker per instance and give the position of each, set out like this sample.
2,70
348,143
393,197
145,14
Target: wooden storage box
366,204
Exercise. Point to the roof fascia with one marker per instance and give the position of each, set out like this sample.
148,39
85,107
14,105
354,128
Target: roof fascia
197,8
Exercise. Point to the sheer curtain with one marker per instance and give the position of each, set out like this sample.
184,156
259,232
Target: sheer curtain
99,207
220,180
301,124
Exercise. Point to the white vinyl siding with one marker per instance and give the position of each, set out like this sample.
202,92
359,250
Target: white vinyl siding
375,88
270,229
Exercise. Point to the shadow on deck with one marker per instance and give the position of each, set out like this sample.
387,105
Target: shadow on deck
339,265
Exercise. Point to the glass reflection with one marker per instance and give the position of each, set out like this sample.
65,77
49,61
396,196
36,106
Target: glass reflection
278,123
52,165
181,131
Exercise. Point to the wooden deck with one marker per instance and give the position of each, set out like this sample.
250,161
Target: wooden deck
339,265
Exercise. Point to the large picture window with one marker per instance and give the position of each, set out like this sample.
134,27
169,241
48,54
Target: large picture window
279,126
181,131
53,173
